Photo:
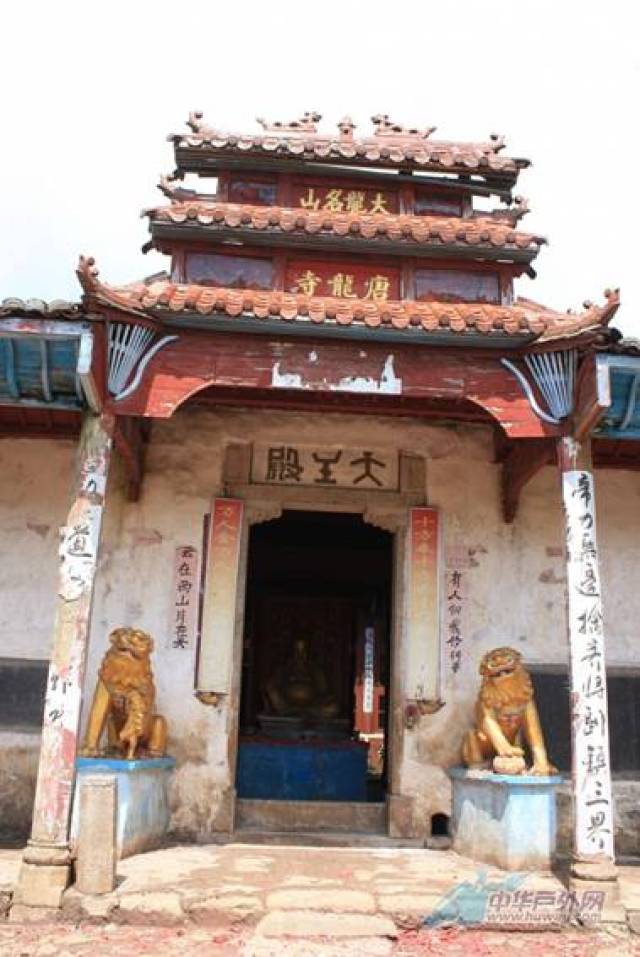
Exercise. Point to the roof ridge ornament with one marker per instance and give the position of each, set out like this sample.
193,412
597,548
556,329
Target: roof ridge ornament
87,273
307,123
384,126
346,128
171,187
506,214
520,208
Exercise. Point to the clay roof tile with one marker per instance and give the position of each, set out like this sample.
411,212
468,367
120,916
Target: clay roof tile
524,318
445,230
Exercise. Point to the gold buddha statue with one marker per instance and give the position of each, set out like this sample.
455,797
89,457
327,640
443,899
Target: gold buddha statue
299,688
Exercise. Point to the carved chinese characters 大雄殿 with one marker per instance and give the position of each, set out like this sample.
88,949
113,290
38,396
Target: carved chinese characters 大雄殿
123,701
506,719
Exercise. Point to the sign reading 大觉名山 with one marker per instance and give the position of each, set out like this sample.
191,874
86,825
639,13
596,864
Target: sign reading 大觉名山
321,466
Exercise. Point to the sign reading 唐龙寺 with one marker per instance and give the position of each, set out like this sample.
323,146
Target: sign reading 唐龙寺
325,467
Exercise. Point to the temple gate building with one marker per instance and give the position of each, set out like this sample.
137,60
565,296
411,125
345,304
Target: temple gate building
327,460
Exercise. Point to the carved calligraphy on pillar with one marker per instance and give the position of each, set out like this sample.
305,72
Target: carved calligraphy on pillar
591,766
78,558
78,550
184,598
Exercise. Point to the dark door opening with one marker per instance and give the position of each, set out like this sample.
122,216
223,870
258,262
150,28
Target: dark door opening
315,668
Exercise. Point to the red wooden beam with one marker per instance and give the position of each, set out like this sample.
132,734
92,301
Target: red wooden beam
335,403
616,454
521,462
130,437
36,423
290,367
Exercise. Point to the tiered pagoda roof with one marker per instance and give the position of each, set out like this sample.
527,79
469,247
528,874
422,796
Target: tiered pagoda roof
412,243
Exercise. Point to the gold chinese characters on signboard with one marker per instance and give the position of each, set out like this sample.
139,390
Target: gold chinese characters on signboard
321,466
342,286
344,200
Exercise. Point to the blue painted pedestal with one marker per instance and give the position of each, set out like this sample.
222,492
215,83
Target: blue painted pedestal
143,802
504,819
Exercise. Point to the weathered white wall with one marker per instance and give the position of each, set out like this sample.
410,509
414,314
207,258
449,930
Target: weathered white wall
35,485
513,579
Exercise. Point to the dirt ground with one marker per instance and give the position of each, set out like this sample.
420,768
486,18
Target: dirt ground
249,900
129,941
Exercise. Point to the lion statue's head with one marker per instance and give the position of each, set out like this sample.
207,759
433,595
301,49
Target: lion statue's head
505,681
131,641
127,663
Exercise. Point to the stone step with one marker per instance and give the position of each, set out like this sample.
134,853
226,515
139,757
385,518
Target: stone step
310,924
253,835
299,816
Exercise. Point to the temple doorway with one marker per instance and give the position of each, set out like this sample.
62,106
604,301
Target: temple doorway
316,661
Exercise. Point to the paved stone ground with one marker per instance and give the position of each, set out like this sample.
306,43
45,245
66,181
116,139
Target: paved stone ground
259,901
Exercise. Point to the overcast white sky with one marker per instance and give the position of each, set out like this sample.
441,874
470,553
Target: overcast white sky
90,91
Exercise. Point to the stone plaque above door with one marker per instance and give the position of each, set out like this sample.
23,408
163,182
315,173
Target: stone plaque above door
287,463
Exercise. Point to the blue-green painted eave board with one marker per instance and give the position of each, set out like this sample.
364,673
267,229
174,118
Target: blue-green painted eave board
40,369
622,418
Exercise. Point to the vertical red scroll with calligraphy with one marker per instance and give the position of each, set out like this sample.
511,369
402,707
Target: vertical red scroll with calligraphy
423,620
220,594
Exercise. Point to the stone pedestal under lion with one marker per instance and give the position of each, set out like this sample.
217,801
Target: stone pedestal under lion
133,755
504,812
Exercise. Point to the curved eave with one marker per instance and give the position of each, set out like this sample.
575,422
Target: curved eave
163,232
202,157
288,310
303,327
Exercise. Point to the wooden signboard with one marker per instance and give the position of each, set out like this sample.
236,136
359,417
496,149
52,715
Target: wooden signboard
423,620
342,280
219,605
338,198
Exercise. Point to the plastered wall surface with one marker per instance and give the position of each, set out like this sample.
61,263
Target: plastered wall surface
512,575
35,486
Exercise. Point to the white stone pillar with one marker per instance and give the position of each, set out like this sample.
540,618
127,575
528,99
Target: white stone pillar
593,852
46,863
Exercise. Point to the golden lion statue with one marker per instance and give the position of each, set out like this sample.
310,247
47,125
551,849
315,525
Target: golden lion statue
123,700
506,719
